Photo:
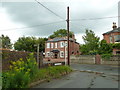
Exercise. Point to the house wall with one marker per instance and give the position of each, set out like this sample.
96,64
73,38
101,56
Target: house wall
107,37
73,47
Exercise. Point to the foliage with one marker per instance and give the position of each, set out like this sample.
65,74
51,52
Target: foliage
106,56
52,72
60,33
91,43
104,47
21,73
83,49
6,43
30,44
116,46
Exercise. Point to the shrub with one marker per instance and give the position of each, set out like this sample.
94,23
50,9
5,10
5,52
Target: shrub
21,73
106,56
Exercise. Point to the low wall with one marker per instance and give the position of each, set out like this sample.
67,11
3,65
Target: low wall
90,59
114,60
83,59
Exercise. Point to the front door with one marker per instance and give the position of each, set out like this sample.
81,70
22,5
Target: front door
56,55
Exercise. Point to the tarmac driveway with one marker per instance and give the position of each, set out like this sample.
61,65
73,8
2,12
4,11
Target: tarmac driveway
81,78
106,69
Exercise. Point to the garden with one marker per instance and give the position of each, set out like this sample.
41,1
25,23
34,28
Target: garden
23,73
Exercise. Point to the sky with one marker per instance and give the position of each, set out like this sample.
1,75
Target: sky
28,18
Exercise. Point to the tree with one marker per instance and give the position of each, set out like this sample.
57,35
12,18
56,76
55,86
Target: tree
83,49
116,46
29,44
104,47
6,42
60,33
91,42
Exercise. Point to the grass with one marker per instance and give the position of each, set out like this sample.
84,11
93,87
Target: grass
51,72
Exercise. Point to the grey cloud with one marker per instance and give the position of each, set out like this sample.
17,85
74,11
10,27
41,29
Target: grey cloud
32,14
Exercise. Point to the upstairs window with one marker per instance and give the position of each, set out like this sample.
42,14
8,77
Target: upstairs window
55,45
48,45
61,44
52,45
117,38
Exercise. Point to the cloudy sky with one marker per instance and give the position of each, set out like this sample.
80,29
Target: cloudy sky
28,18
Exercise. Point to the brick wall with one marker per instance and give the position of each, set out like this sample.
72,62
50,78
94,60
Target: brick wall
107,36
8,56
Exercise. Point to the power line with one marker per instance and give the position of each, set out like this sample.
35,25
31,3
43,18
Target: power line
49,10
95,18
31,26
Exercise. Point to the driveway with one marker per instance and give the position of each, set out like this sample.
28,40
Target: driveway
78,79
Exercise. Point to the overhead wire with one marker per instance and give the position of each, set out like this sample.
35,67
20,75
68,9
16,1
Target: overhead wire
31,26
50,10
94,18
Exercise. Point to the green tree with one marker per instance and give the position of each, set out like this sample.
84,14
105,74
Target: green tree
91,42
29,44
6,42
116,45
83,49
104,47
60,33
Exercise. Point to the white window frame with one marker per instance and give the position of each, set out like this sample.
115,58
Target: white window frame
56,45
48,45
61,54
61,44
52,45
48,54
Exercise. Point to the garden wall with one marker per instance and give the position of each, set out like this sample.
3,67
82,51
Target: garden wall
8,56
91,59
83,59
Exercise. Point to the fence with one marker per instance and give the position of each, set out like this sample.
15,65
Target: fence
92,59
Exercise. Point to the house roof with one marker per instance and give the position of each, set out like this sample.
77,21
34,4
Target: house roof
112,31
59,39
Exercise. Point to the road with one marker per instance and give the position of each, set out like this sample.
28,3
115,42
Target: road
78,79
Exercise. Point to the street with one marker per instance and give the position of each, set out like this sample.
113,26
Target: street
85,79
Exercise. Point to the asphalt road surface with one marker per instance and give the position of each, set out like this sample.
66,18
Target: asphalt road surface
78,79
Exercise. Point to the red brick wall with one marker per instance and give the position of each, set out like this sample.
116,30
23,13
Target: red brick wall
107,36
73,47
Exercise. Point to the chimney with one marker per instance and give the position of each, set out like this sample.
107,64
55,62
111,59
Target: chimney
114,26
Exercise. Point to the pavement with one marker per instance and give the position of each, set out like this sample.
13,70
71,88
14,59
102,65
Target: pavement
86,76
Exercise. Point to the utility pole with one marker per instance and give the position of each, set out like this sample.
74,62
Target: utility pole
68,35
38,56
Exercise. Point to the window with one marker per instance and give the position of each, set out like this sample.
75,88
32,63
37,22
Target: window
52,45
111,39
55,45
66,43
61,54
48,45
61,44
48,54
117,38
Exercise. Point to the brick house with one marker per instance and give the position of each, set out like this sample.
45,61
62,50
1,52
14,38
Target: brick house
56,49
113,36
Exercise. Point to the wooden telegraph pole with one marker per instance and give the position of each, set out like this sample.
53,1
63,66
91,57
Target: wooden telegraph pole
68,35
